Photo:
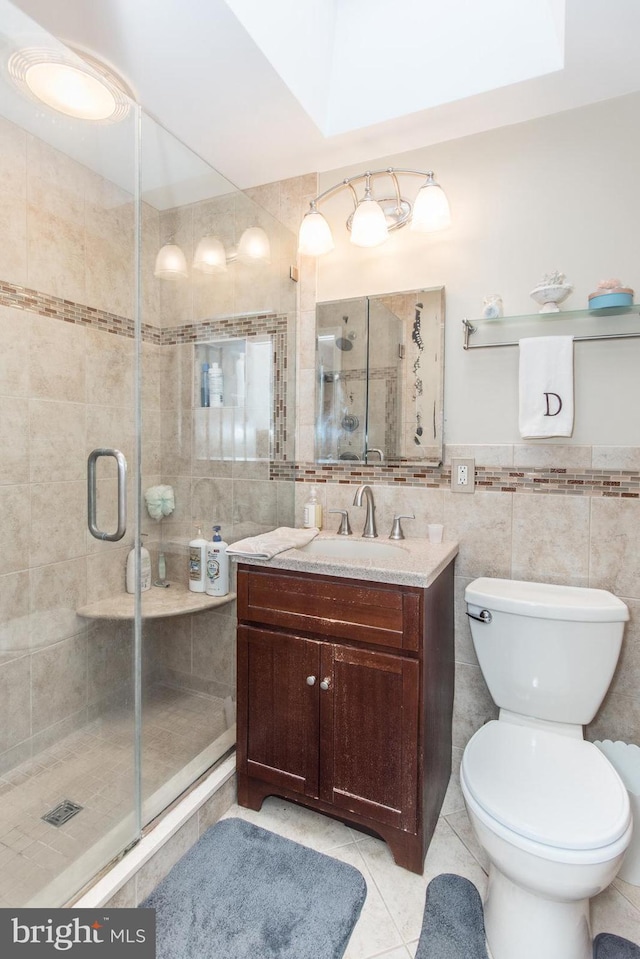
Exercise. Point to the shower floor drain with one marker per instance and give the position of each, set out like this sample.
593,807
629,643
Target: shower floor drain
62,813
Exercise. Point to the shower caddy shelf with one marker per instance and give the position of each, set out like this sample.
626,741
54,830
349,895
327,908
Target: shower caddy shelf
157,603
582,324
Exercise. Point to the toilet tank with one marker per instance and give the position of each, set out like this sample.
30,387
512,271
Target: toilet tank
548,651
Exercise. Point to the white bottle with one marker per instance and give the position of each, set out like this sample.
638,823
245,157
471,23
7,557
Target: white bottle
215,385
312,515
197,563
145,570
217,566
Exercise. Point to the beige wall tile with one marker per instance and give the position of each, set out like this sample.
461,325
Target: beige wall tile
549,455
15,625
14,440
481,522
615,546
15,703
58,681
15,528
472,706
14,351
214,647
57,360
551,538
55,593
57,441
57,530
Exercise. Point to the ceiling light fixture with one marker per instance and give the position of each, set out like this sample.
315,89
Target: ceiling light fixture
78,86
372,219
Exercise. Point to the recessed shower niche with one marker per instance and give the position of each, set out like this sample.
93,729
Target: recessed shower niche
237,382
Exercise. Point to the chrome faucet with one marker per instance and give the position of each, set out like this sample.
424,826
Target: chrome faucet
369,530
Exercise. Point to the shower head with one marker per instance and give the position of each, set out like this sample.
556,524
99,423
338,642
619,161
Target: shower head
346,343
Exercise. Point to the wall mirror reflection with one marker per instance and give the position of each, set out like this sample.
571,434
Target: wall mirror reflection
379,378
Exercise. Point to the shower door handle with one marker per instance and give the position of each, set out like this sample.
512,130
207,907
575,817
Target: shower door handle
122,494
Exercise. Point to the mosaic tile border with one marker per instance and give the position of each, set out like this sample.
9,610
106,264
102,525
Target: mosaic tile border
621,484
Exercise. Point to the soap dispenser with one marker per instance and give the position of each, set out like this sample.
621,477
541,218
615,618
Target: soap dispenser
145,569
197,563
217,565
312,516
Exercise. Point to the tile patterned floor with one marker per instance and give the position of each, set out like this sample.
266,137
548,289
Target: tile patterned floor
94,767
391,919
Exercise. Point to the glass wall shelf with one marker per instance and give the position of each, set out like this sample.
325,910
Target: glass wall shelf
610,324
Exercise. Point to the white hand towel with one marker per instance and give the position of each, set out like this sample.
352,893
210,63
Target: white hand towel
546,386
269,544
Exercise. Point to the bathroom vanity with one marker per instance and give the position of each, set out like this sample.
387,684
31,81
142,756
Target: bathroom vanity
345,691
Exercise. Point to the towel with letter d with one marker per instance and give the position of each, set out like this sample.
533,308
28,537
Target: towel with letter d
546,386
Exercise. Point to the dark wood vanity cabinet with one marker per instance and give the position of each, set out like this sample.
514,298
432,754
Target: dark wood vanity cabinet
345,692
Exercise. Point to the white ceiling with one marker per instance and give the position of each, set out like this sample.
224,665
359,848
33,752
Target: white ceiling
199,68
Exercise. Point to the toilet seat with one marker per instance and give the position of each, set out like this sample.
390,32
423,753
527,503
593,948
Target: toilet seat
545,789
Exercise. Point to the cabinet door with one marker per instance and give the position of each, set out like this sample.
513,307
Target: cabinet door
278,709
369,734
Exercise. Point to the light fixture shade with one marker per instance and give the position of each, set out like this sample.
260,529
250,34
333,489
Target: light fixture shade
368,225
314,236
170,263
254,245
431,209
210,256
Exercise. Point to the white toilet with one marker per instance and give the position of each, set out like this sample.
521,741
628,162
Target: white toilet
548,808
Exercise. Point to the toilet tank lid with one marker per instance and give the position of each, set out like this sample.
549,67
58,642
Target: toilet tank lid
546,601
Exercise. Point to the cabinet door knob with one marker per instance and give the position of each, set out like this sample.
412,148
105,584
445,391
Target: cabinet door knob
311,680
325,683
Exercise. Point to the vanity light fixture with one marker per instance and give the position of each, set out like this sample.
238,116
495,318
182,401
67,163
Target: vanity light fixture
211,256
78,86
373,218
170,262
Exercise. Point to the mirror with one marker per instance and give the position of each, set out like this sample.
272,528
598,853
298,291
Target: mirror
379,378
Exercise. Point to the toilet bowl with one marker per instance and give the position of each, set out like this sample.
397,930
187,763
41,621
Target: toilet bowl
555,822
550,811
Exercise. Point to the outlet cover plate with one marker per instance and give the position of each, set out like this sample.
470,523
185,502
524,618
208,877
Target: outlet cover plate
469,486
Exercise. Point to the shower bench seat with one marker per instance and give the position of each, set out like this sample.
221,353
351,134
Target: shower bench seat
157,603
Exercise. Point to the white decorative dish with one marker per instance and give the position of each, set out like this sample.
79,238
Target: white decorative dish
550,296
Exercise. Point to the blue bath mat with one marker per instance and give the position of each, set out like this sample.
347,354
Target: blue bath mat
453,923
242,892
608,946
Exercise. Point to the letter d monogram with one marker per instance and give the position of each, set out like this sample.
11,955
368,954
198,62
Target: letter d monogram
546,397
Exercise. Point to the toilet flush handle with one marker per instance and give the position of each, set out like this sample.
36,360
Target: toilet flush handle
484,616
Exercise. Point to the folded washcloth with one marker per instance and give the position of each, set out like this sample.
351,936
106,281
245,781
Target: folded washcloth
546,386
269,544
160,501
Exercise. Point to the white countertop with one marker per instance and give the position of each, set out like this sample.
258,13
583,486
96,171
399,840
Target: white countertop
417,563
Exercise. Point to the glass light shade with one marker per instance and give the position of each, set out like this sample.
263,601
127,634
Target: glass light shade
368,226
210,256
431,209
314,237
170,263
254,245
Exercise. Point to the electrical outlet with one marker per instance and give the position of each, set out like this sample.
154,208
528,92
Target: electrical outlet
463,478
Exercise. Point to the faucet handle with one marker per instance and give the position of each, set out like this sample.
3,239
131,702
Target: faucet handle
396,529
345,527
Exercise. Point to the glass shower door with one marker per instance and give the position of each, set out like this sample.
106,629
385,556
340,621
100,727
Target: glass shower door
68,366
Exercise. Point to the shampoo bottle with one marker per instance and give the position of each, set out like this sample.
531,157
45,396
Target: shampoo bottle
312,511
215,385
145,570
204,385
197,563
217,566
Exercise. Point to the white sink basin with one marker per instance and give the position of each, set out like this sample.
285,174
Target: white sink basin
351,549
